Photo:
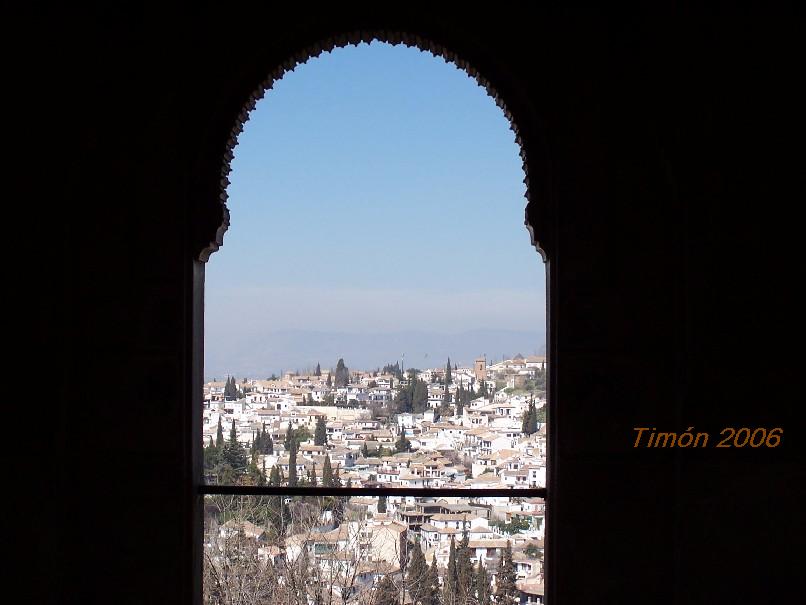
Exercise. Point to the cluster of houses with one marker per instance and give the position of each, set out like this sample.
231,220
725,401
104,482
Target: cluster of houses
484,446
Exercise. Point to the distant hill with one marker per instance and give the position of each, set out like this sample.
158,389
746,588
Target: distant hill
278,351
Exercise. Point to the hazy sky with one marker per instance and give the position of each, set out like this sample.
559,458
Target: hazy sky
375,189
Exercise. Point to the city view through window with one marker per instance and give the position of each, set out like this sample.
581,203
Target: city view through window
375,320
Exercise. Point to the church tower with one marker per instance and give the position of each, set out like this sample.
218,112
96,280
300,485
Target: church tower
480,369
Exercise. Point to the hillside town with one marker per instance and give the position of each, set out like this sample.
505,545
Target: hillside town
450,427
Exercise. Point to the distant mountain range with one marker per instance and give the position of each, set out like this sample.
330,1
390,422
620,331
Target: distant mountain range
278,351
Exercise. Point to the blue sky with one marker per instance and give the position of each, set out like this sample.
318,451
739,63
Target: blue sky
374,189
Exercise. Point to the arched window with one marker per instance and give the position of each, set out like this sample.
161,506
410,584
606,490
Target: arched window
302,515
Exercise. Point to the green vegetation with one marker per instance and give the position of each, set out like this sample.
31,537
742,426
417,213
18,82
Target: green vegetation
412,398
402,444
529,423
515,526
506,593
320,434
342,377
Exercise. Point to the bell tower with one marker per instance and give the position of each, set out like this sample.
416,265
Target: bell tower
480,368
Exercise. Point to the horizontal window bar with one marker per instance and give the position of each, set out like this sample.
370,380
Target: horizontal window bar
253,490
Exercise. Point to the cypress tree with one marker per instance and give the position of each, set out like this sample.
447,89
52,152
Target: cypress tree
482,586
460,400
320,434
464,570
274,476
450,583
532,418
318,371
211,456
402,444
506,593
219,436
417,574
292,465
327,473
448,375
254,452
365,450
342,374
529,423
329,381
381,504
432,582
419,397
312,475
289,437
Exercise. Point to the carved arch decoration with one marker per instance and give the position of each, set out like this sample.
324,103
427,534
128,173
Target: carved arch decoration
533,150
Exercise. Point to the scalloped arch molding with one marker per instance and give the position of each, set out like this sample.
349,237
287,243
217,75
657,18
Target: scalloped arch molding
216,239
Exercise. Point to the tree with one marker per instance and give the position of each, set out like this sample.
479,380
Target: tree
431,596
230,389
460,396
402,401
318,370
254,475
481,584
381,504
234,454
540,414
365,450
419,398
402,444
417,575
387,592
529,422
327,472
212,456
292,465
448,375
274,476
445,407
464,570
506,593
267,443
320,434
450,594
329,381
395,370
219,436
289,436
342,378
